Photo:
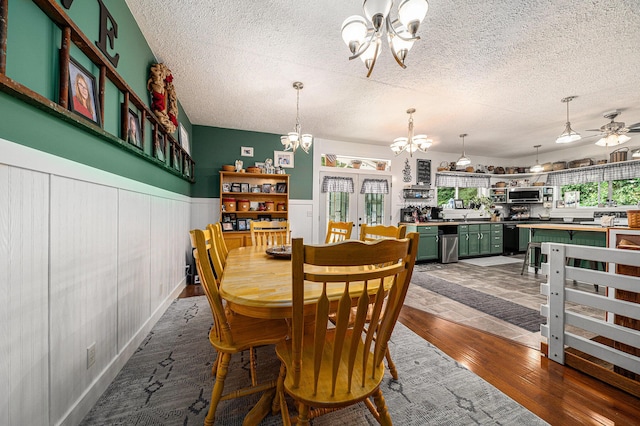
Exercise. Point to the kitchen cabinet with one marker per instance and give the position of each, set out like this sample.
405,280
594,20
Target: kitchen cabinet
428,245
480,239
523,239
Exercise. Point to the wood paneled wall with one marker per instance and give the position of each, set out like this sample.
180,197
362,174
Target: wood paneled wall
82,261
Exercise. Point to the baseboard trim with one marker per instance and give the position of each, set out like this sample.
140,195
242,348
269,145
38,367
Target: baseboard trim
83,405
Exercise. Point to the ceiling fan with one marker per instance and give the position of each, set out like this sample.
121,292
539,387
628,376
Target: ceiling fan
614,132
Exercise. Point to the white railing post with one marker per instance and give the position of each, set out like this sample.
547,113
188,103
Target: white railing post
555,320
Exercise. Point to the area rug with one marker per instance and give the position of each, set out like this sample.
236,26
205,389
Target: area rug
513,313
491,261
168,382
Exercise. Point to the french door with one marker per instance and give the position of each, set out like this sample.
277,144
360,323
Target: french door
344,199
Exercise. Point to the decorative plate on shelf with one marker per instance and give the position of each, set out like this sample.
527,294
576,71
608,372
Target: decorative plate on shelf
279,252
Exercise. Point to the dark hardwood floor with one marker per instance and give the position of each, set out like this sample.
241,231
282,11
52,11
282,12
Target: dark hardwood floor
557,394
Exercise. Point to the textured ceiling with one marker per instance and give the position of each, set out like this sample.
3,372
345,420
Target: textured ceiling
494,69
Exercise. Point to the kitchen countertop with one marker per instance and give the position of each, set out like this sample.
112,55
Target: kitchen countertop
564,226
477,222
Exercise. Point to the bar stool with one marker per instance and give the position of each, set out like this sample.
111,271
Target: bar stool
537,256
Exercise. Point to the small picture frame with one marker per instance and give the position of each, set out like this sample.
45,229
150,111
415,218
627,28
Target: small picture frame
226,187
227,226
176,157
246,151
160,147
242,224
83,92
186,166
256,189
458,204
244,187
283,159
236,187
260,164
264,217
281,188
559,204
266,188
184,139
133,134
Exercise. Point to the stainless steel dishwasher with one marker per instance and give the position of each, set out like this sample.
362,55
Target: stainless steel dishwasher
448,248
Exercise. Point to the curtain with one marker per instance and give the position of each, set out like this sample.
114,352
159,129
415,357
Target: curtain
622,170
462,180
581,175
375,186
337,184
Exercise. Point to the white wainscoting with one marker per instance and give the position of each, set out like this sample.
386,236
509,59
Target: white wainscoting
85,257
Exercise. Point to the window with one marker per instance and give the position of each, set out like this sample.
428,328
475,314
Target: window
374,209
338,206
623,192
445,193
464,194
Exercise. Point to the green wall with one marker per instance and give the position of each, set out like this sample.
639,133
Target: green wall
33,42
214,147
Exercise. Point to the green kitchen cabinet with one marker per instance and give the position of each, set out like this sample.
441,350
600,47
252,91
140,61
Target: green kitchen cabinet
428,245
523,239
463,240
485,238
496,239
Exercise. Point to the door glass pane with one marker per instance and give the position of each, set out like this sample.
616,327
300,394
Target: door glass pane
374,209
338,206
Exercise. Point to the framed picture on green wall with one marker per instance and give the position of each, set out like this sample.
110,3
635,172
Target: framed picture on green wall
283,159
82,92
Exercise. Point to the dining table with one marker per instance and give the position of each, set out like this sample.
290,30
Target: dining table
258,285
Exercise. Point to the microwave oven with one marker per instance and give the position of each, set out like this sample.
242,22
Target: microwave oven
524,195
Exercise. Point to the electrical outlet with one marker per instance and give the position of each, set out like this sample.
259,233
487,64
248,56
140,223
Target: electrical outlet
91,355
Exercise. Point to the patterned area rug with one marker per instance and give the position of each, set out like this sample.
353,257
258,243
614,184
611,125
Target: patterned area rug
168,382
513,313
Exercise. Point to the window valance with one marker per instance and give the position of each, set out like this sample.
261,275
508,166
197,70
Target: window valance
571,176
462,180
375,186
622,170
337,184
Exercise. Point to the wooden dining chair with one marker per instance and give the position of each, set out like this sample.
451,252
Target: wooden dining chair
265,233
231,334
327,368
375,233
216,232
338,231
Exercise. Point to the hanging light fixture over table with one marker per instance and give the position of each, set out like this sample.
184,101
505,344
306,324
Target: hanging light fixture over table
411,143
569,135
364,40
463,160
537,168
296,139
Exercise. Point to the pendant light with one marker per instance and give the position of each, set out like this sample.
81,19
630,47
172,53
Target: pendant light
463,160
537,168
636,153
296,139
569,135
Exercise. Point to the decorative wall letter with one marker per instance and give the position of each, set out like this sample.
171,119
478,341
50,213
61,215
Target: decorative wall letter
112,34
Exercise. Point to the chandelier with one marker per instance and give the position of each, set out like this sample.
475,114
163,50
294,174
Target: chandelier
364,40
463,160
569,135
295,139
411,143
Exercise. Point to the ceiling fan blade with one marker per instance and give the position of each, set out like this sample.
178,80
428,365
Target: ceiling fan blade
634,128
593,130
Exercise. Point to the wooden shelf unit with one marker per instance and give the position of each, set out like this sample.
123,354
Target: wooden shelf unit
242,238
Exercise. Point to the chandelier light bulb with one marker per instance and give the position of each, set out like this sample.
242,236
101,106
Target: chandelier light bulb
354,32
377,11
411,13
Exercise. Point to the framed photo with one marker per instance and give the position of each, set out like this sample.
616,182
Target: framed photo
256,188
160,147
264,217
227,226
186,166
176,156
281,187
560,204
459,204
83,92
133,134
283,159
235,187
184,139
242,225
266,188
244,187
226,187
246,151
260,164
